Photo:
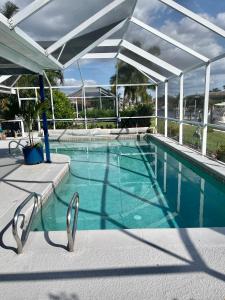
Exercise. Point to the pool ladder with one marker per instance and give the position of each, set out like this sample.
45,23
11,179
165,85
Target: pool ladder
20,241
16,142
71,232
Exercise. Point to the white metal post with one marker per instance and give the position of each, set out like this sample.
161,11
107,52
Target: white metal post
85,111
18,97
166,108
39,123
100,91
206,110
181,109
156,107
22,128
52,106
77,109
117,107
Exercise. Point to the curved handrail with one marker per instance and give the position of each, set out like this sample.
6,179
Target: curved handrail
72,231
18,144
21,241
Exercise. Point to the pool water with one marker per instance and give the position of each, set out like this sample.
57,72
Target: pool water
131,184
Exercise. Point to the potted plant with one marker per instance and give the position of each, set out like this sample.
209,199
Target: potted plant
33,151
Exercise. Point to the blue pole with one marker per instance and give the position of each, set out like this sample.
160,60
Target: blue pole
44,118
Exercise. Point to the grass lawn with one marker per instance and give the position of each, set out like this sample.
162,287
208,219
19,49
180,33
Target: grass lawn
216,138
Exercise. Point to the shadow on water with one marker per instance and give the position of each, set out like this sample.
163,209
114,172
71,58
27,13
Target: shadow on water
63,296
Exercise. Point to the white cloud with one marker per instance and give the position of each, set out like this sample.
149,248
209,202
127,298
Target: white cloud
77,82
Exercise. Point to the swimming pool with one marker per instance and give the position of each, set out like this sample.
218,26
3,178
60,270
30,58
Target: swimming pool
133,184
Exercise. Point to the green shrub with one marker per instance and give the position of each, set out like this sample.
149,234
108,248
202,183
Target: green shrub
220,153
173,129
99,113
135,111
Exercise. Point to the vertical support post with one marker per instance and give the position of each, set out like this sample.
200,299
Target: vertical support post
181,109
18,97
156,107
166,108
206,110
22,128
52,106
117,102
77,109
117,108
44,117
100,95
39,123
85,110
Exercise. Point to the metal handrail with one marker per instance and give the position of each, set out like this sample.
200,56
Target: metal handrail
18,144
25,233
72,231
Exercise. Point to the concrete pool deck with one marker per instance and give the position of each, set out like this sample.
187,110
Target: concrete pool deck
112,264
129,264
17,180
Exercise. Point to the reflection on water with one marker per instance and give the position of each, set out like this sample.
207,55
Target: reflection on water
130,184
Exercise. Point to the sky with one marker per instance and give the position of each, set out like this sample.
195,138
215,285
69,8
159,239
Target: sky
58,18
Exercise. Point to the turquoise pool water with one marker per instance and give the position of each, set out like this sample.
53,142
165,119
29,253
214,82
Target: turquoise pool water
131,184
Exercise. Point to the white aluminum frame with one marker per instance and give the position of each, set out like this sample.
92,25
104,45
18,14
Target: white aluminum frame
152,58
109,55
206,110
197,18
95,44
141,67
29,10
87,23
166,109
169,39
181,109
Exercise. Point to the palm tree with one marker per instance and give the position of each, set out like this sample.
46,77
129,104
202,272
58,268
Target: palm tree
9,9
128,74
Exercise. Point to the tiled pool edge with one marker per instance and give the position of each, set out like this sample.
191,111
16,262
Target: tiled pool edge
211,166
88,138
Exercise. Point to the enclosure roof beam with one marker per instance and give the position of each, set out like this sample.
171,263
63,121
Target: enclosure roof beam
138,66
47,79
19,59
96,43
195,17
110,43
29,10
86,24
148,56
25,46
100,55
169,39
4,77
